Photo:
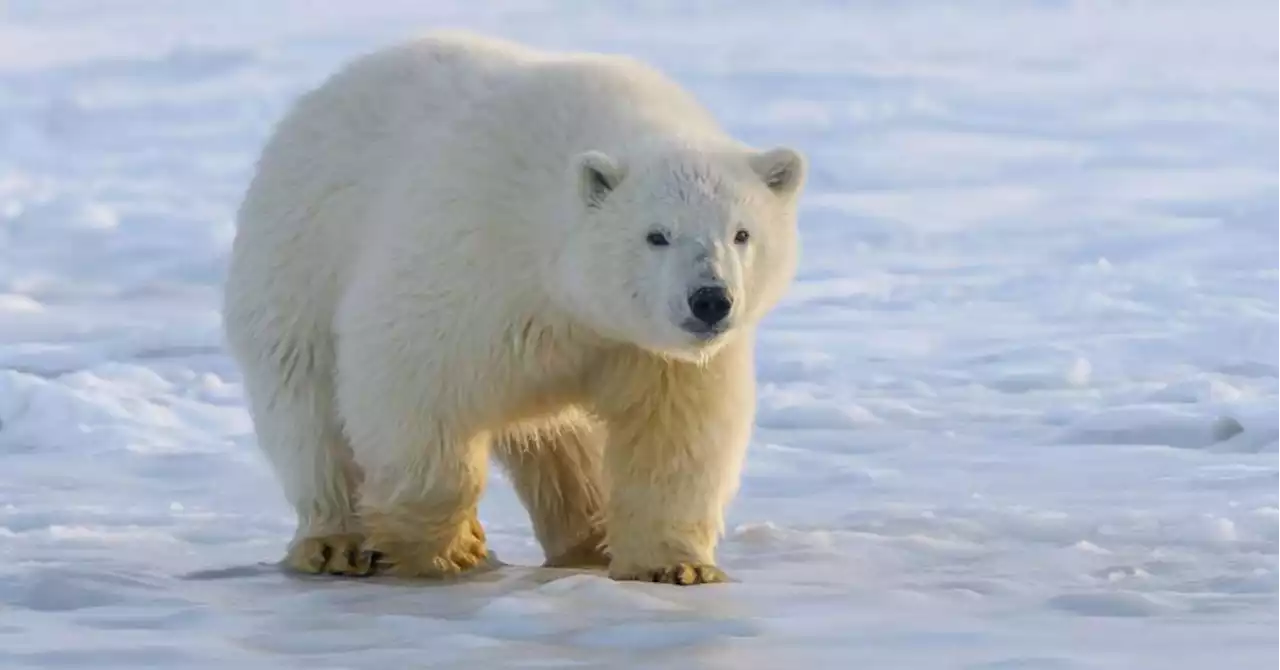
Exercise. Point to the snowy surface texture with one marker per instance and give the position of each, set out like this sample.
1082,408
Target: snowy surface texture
1020,411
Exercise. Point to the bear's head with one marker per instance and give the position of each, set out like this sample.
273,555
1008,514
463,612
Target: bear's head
678,250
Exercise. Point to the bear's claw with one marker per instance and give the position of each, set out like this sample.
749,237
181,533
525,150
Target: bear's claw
411,559
680,574
329,555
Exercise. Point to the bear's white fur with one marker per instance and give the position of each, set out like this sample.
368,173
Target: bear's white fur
461,246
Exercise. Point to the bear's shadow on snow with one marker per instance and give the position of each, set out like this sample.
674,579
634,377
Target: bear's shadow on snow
517,576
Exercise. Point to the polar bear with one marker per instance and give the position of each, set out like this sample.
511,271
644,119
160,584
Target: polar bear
460,247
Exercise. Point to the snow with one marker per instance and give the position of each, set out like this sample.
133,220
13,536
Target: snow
1020,411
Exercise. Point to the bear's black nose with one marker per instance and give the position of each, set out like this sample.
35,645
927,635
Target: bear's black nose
710,304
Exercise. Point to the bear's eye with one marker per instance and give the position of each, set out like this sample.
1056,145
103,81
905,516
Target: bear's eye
741,237
657,239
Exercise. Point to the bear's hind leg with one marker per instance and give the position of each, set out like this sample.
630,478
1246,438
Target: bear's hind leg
556,474
293,413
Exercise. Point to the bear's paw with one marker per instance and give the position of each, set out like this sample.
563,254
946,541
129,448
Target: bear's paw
589,552
431,558
338,554
680,574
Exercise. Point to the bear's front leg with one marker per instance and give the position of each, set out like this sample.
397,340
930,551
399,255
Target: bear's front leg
420,517
434,536
673,462
423,475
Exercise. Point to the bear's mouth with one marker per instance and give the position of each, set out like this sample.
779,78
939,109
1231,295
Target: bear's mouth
703,331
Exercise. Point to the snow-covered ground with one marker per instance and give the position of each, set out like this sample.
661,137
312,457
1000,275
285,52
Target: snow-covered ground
1020,411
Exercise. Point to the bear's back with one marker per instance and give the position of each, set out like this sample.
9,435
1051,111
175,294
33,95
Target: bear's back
454,141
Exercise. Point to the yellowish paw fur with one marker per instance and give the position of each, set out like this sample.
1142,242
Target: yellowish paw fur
430,555
338,554
680,574
589,553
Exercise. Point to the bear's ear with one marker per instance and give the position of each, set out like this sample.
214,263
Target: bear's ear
598,175
782,169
